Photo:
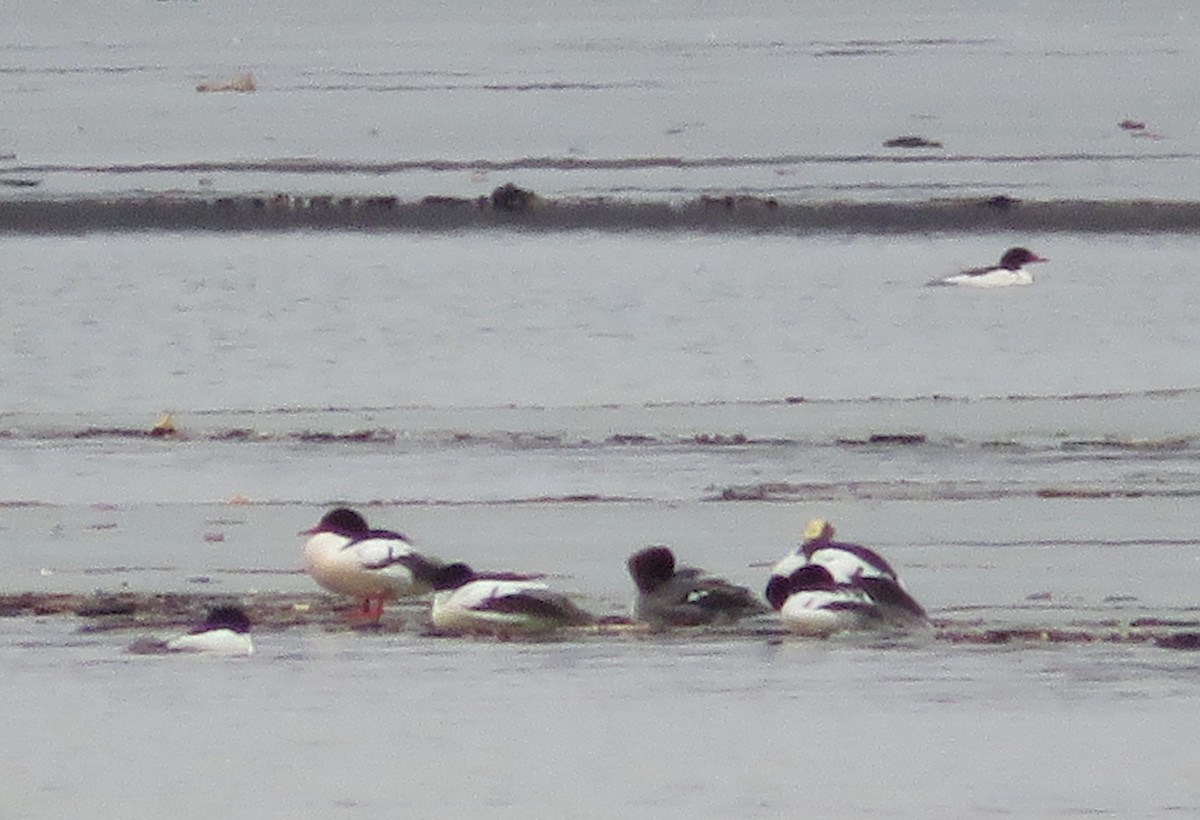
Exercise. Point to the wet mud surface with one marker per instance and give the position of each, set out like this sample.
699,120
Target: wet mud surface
510,207
276,612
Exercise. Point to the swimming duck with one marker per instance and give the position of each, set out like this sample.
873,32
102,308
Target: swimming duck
500,603
346,556
226,631
1010,271
667,596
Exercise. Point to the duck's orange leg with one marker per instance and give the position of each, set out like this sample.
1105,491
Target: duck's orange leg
375,608
371,612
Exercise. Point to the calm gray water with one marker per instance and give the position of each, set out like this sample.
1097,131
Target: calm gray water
1028,458
319,725
788,98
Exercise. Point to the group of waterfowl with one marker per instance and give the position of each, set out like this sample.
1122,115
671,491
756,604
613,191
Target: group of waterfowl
823,587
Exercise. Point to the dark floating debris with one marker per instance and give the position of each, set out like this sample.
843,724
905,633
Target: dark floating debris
102,606
1128,444
896,438
911,141
357,436
235,434
1083,492
631,438
729,201
1000,202
767,491
35,603
512,199
1142,623
1137,128
718,439
1033,635
448,201
903,439
1182,640
110,432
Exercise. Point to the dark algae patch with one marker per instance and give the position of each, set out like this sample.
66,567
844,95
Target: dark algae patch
274,612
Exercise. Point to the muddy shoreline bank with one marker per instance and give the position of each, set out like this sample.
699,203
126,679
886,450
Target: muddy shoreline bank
512,208
277,611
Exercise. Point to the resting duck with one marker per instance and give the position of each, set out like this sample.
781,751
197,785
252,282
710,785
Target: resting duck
811,602
844,577
502,603
226,631
668,596
346,556
1010,271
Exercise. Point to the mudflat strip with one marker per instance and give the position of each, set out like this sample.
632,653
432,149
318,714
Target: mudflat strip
275,611
515,208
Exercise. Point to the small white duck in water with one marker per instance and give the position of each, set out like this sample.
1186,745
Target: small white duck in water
1010,271
226,631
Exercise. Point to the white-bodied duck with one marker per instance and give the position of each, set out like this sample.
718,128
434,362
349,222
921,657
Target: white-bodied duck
837,577
811,602
226,631
1010,271
346,556
499,603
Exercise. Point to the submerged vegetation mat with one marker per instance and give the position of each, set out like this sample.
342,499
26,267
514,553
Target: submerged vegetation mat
274,612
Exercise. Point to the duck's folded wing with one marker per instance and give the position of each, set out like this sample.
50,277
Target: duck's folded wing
718,595
382,553
533,602
377,553
850,562
961,276
892,597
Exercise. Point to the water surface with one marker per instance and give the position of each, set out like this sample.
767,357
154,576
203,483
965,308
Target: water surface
550,401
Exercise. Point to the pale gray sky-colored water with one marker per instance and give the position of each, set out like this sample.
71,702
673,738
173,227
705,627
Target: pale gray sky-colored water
147,322
1025,98
493,373
625,730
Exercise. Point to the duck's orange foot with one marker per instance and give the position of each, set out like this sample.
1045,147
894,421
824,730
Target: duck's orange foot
368,615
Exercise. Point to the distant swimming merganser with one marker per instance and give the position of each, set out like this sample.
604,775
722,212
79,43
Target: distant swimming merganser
502,603
226,631
841,577
1010,271
685,596
346,556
